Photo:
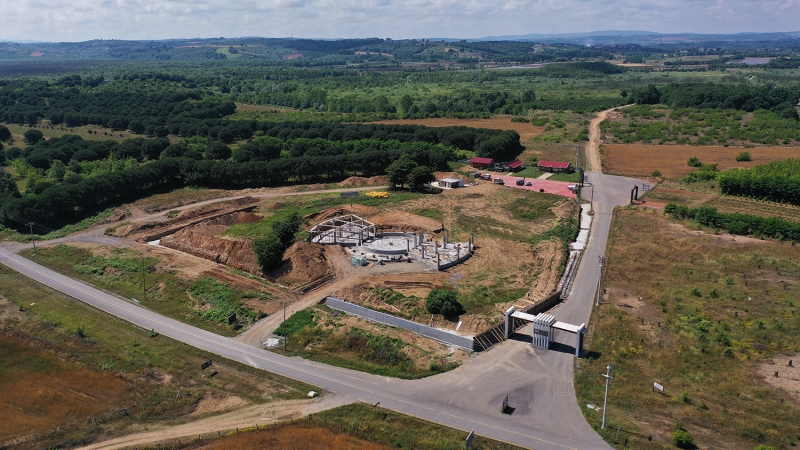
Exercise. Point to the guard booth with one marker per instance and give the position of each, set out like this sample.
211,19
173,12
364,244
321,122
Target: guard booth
543,326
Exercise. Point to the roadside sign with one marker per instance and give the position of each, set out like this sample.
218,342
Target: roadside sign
645,187
470,438
505,404
658,387
205,365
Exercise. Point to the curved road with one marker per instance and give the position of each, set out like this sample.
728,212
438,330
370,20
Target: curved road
539,382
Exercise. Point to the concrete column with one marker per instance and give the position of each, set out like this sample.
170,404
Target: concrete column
446,238
423,252
458,252
508,320
437,261
408,245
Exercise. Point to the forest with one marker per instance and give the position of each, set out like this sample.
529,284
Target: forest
70,176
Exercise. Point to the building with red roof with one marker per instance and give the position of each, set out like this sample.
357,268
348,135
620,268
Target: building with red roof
555,166
481,163
516,165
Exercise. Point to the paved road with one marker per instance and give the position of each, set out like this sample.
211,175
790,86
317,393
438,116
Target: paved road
539,382
457,399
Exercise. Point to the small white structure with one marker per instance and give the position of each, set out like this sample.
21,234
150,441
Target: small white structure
543,329
451,183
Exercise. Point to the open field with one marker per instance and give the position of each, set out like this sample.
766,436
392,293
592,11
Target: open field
704,315
97,133
670,160
107,365
354,427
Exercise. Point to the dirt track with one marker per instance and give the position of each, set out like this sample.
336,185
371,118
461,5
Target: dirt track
242,418
593,146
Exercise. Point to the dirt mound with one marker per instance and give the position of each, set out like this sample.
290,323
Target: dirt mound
234,253
303,263
359,210
361,181
442,175
221,206
403,221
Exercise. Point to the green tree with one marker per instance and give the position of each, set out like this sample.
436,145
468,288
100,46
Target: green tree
420,176
287,228
218,150
744,156
269,252
444,302
682,439
57,170
5,133
406,102
136,126
7,184
33,136
400,170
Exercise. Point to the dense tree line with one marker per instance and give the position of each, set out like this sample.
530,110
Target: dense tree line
780,100
156,112
737,223
777,181
271,160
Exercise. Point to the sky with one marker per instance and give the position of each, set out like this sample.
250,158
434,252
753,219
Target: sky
80,20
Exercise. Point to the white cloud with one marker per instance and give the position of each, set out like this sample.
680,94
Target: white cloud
53,20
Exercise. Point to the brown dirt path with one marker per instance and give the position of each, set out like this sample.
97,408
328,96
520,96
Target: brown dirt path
243,418
593,146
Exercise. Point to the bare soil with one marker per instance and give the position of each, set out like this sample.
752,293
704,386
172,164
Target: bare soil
788,379
362,181
670,160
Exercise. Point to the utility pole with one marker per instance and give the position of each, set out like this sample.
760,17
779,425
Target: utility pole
30,224
577,149
600,280
605,401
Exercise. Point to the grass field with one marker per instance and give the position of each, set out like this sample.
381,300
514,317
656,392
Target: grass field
703,315
205,303
53,342
355,427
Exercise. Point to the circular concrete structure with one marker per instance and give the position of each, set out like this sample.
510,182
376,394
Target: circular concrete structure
390,245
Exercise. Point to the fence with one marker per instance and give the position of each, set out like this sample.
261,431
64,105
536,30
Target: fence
369,314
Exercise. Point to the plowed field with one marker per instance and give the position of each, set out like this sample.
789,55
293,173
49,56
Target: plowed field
670,160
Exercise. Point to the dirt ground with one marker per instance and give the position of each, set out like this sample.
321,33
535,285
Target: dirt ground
525,129
670,160
362,181
788,379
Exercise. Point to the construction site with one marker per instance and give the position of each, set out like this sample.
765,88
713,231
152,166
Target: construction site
382,255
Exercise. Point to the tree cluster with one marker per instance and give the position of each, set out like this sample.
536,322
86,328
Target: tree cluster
737,223
444,302
778,181
780,100
270,249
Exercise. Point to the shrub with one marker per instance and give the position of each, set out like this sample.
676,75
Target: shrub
696,292
694,162
269,251
656,173
682,439
444,302
744,156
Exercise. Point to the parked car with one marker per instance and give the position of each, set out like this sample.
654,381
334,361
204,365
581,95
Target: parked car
498,181
520,182
528,183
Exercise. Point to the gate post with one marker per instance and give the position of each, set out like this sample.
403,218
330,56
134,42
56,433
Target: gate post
579,338
509,325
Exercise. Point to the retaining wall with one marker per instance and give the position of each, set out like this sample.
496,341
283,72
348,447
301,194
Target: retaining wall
366,313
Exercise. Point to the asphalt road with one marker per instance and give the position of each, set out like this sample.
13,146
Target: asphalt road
466,398
539,383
